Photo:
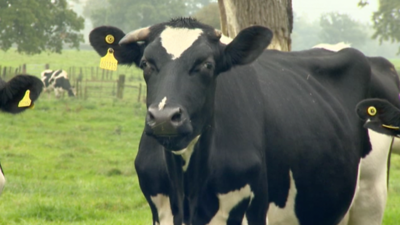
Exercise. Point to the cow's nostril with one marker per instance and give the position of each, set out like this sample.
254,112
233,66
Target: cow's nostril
150,118
177,116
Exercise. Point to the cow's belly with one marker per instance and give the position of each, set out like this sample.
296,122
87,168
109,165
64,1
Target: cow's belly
370,200
2,181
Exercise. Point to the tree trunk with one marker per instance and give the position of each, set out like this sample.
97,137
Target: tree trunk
277,15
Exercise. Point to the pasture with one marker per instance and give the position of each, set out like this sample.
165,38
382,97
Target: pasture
70,161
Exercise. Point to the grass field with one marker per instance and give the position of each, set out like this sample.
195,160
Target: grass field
71,161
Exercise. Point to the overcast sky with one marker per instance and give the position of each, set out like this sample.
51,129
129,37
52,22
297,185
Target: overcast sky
313,8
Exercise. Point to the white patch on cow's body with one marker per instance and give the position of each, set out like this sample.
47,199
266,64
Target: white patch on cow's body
187,152
284,216
370,200
163,206
228,201
178,40
2,181
335,48
161,105
58,91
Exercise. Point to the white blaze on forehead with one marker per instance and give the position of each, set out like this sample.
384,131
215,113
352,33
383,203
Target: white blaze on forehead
161,105
177,40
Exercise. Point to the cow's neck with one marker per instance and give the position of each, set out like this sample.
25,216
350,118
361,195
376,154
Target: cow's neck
187,170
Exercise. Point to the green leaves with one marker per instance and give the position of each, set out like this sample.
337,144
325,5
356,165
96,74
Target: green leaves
387,21
338,27
128,15
38,25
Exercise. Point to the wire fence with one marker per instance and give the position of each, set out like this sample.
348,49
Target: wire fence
90,82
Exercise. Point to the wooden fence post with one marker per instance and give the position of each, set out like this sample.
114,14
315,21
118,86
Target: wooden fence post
85,94
4,72
77,88
46,66
92,72
120,86
140,92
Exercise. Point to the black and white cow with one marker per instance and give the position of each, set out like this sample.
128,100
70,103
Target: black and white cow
230,128
58,81
369,205
11,94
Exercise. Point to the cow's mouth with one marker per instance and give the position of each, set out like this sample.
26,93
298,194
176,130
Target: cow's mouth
173,143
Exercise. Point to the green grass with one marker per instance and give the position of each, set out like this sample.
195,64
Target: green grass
72,163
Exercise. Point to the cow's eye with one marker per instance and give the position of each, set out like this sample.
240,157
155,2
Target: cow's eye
143,64
208,65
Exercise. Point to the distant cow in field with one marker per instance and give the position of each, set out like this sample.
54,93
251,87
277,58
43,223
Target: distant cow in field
58,81
17,95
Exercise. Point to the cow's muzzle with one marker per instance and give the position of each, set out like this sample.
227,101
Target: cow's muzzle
168,122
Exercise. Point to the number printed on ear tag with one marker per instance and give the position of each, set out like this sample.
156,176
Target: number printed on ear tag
108,62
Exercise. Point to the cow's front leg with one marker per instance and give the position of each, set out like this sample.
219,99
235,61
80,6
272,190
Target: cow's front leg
154,181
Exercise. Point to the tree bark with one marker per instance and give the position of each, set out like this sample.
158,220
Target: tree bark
277,15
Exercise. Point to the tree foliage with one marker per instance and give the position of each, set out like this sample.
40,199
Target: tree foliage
209,14
386,21
303,35
336,27
128,14
193,6
38,25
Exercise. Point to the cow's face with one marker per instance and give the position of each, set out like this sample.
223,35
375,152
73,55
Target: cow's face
180,62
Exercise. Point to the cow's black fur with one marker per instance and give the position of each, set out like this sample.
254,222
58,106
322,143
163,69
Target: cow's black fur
257,120
386,120
12,92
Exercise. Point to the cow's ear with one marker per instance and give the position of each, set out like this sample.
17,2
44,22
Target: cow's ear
25,88
105,37
379,115
246,46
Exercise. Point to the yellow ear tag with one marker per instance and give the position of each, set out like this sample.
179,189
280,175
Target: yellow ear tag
390,127
108,62
371,111
26,100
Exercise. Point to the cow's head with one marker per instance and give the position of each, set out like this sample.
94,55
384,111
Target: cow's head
181,60
379,115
